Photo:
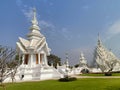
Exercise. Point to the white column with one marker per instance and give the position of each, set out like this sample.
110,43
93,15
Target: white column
19,57
45,59
23,59
39,58
31,59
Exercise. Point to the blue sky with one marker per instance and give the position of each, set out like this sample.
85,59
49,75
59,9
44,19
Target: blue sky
69,25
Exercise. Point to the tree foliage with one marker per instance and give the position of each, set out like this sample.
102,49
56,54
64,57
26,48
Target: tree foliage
76,65
53,59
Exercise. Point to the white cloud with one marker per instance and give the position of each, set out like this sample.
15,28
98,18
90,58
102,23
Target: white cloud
28,12
44,24
66,33
52,31
48,29
114,29
113,37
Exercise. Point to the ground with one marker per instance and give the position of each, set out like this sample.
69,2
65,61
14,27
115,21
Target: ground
80,84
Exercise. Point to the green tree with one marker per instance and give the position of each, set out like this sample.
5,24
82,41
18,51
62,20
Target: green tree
76,65
53,59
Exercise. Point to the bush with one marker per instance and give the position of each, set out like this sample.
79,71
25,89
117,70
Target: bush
67,79
108,74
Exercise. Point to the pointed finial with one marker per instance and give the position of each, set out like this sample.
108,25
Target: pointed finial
66,55
34,9
98,36
81,53
67,63
99,40
34,20
34,13
82,56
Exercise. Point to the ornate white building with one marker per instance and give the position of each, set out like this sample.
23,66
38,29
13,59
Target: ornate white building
105,59
34,51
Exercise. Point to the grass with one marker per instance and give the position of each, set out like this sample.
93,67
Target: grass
80,84
92,74
99,74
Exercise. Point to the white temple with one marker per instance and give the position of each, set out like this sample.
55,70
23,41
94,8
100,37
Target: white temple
34,51
105,59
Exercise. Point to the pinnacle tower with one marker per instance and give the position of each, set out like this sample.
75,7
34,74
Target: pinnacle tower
34,29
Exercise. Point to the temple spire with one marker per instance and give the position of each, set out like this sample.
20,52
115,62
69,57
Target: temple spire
34,21
34,28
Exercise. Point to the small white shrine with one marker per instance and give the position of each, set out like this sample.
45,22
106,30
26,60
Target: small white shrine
34,51
83,61
64,69
82,65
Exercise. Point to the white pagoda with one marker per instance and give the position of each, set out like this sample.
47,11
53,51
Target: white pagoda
83,61
34,51
83,67
105,59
